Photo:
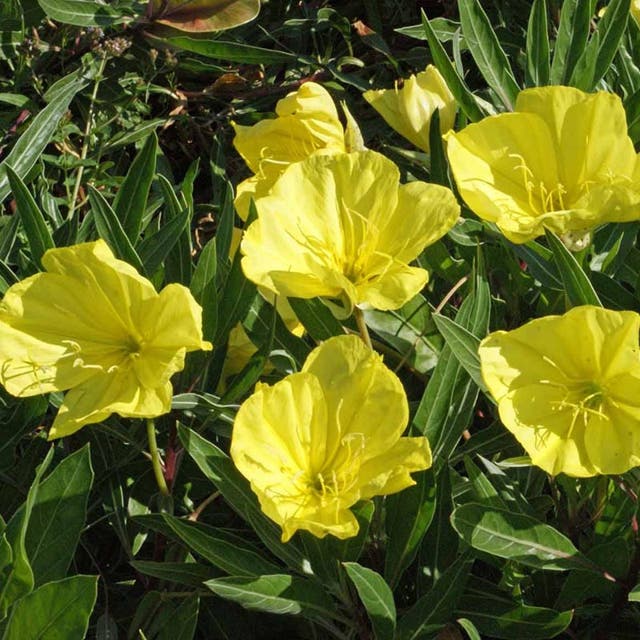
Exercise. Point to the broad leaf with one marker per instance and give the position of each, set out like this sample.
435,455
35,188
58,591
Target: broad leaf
203,15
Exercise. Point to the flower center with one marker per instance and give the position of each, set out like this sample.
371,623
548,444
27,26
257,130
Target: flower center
132,347
585,400
542,197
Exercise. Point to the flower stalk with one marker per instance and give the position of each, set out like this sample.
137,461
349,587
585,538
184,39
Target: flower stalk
156,462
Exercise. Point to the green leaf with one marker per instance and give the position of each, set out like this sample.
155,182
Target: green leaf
456,85
221,548
17,580
464,346
634,594
577,286
598,55
434,608
229,51
516,536
110,229
55,611
277,593
449,400
35,227
438,170
203,288
153,250
408,516
538,67
411,331
497,616
377,598
32,142
487,52
573,31
178,266
235,300
131,200
58,517
316,317
82,13
188,573
182,622
218,468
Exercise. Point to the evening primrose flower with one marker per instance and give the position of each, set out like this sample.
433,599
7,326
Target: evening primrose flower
568,388
343,228
307,123
409,110
563,161
318,441
94,326
635,10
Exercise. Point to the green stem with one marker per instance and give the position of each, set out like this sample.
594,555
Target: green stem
155,458
86,133
362,327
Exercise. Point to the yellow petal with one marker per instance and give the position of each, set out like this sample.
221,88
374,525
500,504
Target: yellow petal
409,110
493,160
393,289
389,472
96,399
424,213
307,123
360,392
564,382
93,325
330,227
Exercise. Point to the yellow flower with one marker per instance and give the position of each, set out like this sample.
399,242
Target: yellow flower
317,442
342,227
563,161
307,123
635,10
409,110
568,388
94,326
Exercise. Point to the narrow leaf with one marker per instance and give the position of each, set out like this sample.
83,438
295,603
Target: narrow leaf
487,52
464,346
377,598
131,199
35,227
316,318
32,142
538,66
110,229
577,286
58,517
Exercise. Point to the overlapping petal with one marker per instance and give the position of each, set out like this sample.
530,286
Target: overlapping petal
563,383
409,110
92,325
332,227
563,161
307,122
317,442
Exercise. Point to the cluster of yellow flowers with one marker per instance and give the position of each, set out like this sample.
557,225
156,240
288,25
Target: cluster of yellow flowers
335,223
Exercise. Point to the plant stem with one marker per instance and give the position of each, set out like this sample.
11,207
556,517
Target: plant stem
85,138
362,327
155,458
